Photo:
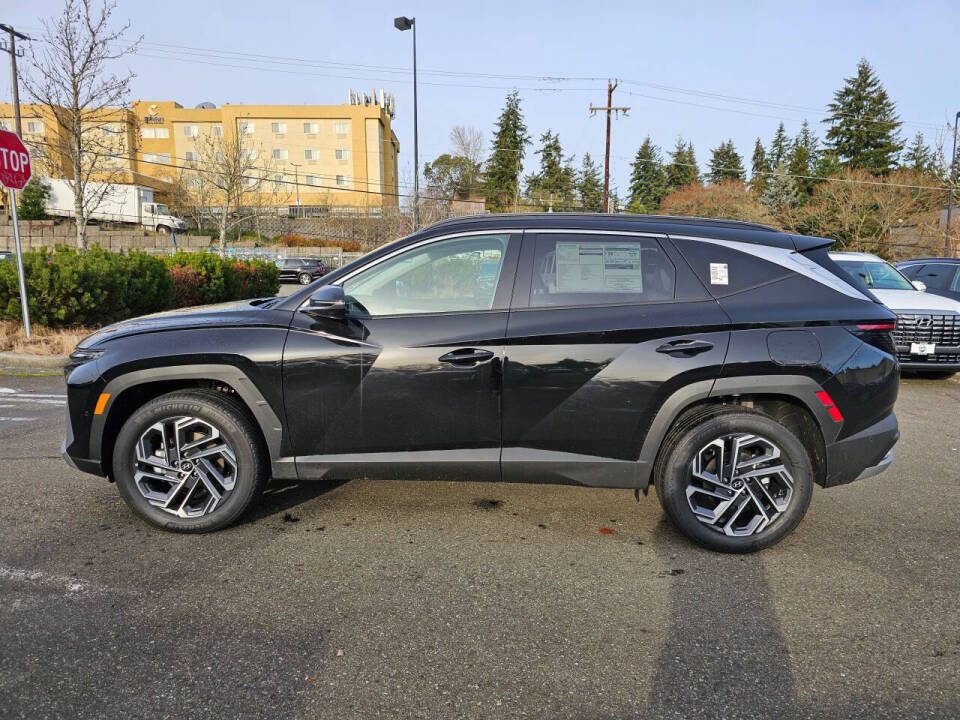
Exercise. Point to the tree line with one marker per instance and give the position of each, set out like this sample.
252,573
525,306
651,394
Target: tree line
848,185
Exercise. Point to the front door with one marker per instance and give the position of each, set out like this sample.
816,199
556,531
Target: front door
603,327
409,384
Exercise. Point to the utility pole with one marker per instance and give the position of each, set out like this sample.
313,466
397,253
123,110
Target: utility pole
296,181
611,86
11,47
953,179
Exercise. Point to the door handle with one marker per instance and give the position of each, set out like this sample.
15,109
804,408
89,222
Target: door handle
685,348
466,357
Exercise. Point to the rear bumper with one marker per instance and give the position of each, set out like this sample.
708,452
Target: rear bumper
863,455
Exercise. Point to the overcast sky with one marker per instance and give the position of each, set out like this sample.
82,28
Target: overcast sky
782,60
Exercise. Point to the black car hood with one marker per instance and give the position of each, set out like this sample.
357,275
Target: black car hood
246,312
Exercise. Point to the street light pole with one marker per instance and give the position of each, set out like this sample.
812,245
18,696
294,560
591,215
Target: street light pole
404,23
953,179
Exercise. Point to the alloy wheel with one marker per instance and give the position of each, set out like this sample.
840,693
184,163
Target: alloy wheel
184,466
739,484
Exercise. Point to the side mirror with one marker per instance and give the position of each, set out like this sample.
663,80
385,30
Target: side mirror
922,287
327,302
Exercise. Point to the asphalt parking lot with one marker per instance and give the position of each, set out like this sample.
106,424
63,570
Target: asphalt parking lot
437,600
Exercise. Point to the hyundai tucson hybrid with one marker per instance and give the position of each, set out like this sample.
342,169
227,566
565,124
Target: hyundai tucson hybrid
730,366
927,336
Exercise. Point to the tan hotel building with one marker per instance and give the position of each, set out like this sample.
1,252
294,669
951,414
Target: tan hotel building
332,155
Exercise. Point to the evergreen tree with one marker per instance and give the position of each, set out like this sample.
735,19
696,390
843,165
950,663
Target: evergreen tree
503,167
648,179
919,156
827,165
780,192
780,147
33,199
864,126
553,185
759,169
725,163
590,185
802,162
682,169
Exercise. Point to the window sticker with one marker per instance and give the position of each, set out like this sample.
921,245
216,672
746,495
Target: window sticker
719,274
598,268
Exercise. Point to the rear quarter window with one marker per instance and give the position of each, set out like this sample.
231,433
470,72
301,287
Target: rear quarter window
725,271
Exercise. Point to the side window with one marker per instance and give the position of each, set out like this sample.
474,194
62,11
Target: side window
724,270
455,275
937,276
911,271
599,270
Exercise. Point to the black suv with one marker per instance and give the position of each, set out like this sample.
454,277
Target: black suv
301,270
729,365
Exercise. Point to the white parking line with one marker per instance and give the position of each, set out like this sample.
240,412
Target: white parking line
32,401
17,419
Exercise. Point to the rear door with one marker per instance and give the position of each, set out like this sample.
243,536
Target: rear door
940,279
603,327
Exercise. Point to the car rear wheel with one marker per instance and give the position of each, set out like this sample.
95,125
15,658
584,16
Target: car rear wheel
163,230
190,461
305,278
733,479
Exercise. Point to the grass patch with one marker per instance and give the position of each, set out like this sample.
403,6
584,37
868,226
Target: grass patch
44,340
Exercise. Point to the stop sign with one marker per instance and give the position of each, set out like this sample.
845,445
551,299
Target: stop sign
14,161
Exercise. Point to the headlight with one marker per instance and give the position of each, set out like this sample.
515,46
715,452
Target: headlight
82,355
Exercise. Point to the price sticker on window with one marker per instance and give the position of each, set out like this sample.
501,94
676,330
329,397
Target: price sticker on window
719,274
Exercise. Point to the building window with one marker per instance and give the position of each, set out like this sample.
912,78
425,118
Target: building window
342,154
5,125
245,128
279,154
218,130
343,180
193,183
190,131
34,126
311,128
309,154
341,127
278,128
278,181
313,180
159,158
155,133
191,156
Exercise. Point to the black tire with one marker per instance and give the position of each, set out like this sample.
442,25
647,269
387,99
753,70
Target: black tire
673,474
163,230
233,420
305,278
935,374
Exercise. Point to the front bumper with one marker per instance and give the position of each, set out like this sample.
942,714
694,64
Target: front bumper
863,455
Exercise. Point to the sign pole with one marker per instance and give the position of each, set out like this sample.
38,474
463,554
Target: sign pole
23,283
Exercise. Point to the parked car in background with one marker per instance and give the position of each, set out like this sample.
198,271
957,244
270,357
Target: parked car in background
728,365
301,270
927,335
6,256
940,276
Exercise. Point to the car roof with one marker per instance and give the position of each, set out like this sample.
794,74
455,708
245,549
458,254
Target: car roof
931,261
734,230
841,255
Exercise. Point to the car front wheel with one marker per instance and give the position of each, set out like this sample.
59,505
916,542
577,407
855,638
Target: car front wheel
305,278
733,479
190,461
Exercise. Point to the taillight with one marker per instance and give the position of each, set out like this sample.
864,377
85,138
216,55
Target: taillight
886,327
824,397
877,335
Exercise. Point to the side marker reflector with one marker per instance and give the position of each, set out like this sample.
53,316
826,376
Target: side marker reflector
824,397
101,403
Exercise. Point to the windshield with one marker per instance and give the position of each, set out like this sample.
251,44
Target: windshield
876,274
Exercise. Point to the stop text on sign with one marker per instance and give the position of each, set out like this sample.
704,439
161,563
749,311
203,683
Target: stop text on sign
14,160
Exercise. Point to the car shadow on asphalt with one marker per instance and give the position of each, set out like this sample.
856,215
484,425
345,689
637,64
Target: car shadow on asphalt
282,495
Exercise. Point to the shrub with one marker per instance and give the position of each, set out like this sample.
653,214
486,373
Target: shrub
221,280
292,240
69,288
186,282
345,245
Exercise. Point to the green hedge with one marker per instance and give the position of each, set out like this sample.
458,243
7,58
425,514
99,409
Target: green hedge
71,288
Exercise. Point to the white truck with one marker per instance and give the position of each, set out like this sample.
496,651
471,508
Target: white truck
120,203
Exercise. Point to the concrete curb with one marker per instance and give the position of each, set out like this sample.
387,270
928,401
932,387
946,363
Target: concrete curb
26,361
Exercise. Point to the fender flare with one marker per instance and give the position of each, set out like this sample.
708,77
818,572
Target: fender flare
798,387
266,418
